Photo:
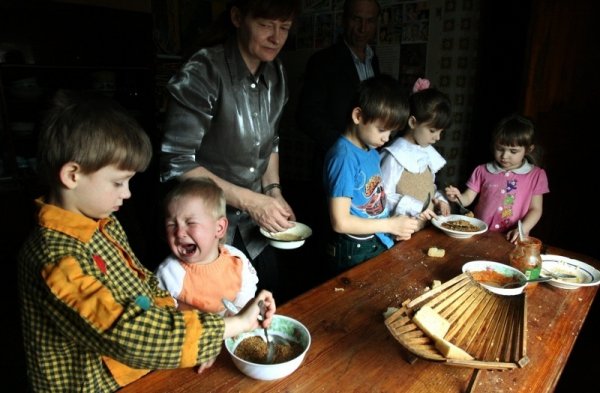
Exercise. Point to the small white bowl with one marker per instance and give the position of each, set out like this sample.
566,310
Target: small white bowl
283,326
291,238
439,220
505,270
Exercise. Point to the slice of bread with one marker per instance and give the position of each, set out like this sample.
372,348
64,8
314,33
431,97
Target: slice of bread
436,327
436,252
451,351
432,323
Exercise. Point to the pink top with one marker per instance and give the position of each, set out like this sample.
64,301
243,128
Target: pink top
505,196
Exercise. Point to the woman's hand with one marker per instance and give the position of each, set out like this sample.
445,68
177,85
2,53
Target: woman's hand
272,213
286,205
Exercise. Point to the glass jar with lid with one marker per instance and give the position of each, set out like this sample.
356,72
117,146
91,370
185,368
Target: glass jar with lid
526,257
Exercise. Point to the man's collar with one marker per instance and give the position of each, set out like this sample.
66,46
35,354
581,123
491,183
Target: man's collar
368,52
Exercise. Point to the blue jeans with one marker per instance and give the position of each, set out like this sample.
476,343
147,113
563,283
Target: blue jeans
345,252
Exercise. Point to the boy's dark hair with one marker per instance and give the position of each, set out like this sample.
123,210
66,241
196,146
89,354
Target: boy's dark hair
431,106
203,188
92,131
381,98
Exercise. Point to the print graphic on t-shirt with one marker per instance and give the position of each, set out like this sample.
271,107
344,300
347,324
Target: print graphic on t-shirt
508,202
374,191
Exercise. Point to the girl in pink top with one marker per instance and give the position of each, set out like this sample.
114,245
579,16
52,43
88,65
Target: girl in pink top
511,187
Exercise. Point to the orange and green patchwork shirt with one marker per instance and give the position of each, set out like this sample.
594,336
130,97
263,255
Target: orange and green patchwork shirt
93,317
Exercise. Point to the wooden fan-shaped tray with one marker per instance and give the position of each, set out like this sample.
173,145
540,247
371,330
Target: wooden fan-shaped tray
490,327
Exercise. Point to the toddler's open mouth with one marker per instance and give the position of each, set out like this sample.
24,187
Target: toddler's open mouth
187,249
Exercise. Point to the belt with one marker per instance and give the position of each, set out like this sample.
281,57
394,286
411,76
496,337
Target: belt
359,237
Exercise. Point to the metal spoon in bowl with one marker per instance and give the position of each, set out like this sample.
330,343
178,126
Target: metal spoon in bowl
557,276
519,283
232,308
270,344
274,338
521,231
461,208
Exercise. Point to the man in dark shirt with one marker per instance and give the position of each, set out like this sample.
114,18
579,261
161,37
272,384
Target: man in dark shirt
332,74
330,80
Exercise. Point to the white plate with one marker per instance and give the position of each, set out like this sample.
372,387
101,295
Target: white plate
505,270
439,220
587,275
290,238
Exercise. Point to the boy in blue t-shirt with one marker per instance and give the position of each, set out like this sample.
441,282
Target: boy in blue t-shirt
352,176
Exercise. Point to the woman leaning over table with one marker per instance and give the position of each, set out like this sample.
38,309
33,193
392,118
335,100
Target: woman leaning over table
222,122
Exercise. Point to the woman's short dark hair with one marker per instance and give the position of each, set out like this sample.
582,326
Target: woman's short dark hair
222,28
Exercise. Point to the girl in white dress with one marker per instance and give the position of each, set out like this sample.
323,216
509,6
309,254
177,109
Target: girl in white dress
410,163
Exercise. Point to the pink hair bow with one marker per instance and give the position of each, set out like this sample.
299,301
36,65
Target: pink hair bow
421,84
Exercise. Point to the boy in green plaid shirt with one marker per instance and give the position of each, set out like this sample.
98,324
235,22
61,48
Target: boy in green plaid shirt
94,318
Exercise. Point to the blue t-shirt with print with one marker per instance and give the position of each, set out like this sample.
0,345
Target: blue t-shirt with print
354,173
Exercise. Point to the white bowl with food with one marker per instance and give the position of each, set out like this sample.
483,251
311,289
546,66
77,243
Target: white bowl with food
569,273
250,356
458,226
291,238
494,275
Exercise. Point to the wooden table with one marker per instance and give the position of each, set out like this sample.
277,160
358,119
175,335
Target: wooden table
352,350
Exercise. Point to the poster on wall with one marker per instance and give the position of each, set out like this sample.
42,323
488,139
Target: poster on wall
338,4
316,5
413,59
338,28
416,22
304,32
324,30
390,25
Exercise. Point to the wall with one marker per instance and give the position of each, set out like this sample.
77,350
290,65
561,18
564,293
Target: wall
128,5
